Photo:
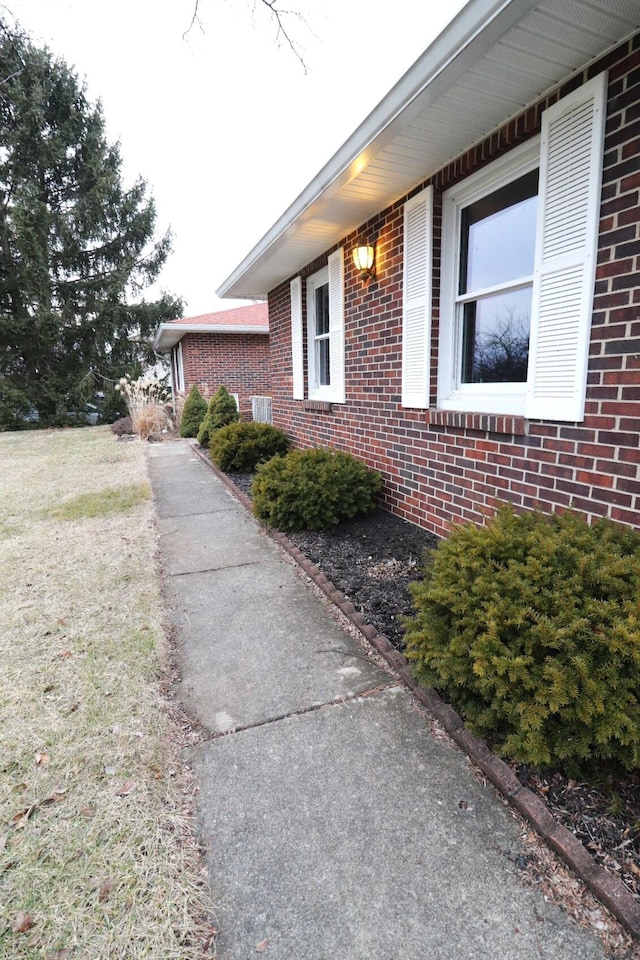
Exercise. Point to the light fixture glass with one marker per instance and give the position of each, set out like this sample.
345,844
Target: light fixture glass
363,258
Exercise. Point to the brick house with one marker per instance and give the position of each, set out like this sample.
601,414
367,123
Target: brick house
495,352
230,347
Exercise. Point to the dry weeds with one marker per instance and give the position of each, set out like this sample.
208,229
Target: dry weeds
97,858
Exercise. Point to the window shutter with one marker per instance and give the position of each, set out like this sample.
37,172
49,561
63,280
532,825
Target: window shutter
336,326
416,318
297,356
566,249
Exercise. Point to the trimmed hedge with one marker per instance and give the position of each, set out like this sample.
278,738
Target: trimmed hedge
313,489
531,627
241,447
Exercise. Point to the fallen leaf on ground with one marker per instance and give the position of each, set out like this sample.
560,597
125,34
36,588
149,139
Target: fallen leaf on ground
22,922
20,819
127,788
42,759
87,812
262,946
105,890
54,797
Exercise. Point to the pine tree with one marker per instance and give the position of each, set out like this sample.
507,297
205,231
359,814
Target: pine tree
221,411
76,247
195,408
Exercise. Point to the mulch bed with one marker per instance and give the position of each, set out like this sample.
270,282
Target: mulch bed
372,560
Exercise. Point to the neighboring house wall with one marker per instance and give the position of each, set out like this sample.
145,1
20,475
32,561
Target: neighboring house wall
445,465
238,361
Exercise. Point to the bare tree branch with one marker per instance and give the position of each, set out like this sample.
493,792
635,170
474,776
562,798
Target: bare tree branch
195,19
279,18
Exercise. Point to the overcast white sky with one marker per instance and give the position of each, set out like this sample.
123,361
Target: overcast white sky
224,125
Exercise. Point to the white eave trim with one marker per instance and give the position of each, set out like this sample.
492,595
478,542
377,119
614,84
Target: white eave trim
169,334
481,23
354,185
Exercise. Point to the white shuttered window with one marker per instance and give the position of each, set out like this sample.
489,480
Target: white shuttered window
566,251
297,355
518,269
416,306
325,331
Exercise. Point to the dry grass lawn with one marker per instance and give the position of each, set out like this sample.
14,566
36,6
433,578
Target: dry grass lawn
96,855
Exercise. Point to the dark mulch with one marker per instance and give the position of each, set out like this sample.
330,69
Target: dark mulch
372,560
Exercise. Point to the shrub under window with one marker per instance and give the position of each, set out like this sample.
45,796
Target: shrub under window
313,489
241,446
531,627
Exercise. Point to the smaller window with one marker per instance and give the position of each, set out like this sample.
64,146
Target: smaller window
318,326
321,313
177,371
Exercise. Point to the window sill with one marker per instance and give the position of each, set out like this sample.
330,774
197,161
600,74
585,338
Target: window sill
317,406
482,422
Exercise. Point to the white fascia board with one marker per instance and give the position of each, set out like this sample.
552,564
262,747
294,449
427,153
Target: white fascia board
169,334
471,33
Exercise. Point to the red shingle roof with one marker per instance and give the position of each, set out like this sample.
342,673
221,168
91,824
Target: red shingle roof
255,315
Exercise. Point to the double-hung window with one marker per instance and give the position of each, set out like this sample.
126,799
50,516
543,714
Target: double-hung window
323,293
489,243
519,246
319,345
495,282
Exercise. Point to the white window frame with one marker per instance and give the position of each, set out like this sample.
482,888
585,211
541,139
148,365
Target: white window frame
177,369
504,398
333,276
317,390
569,154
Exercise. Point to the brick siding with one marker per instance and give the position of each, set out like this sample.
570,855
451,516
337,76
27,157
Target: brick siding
441,467
238,361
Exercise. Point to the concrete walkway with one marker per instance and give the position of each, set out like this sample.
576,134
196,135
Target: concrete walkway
337,827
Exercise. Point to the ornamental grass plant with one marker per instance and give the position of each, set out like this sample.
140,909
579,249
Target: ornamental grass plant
146,400
530,625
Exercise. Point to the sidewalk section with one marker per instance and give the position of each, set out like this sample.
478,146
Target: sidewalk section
338,826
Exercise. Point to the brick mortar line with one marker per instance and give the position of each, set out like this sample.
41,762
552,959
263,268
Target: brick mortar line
606,887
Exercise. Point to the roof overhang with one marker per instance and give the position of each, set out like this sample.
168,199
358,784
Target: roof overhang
169,334
494,59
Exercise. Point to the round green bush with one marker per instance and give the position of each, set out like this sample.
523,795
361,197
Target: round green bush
195,407
240,447
313,489
220,411
531,627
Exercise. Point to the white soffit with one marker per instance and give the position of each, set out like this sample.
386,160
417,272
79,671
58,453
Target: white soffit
494,59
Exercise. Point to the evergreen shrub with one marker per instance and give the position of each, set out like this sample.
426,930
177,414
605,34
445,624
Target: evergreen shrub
241,446
193,412
220,411
531,627
313,489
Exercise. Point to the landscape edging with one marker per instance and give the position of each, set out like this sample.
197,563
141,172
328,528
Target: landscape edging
606,887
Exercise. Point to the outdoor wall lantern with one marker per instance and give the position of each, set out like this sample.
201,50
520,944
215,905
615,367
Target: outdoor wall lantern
363,258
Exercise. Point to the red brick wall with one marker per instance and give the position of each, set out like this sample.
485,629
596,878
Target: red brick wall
442,467
238,361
